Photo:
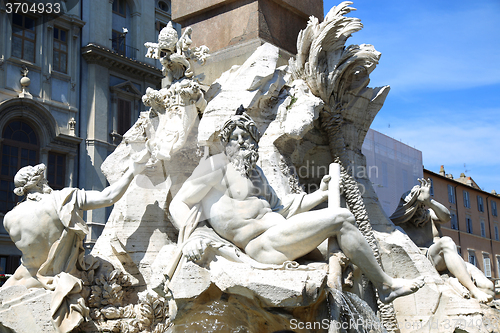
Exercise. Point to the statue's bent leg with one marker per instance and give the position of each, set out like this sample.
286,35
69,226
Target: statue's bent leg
302,233
481,281
445,250
356,248
296,236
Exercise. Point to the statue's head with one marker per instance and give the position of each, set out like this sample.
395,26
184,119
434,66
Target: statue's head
30,179
240,137
242,120
410,209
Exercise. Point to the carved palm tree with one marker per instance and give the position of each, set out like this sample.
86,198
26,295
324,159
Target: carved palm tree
339,75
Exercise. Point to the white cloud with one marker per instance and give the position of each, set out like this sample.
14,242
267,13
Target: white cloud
436,46
473,143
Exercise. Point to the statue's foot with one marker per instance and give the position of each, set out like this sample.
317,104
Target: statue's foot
399,287
481,296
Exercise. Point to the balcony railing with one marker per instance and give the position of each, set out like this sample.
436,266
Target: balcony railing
118,45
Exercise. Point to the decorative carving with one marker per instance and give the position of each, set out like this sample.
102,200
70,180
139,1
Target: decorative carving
25,83
108,289
177,57
220,239
72,125
150,314
339,75
179,104
236,195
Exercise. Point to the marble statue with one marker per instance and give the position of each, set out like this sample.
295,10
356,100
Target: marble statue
240,205
177,108
422,225
180,100
49,230
176,53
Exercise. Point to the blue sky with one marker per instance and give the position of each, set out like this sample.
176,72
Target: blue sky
442,61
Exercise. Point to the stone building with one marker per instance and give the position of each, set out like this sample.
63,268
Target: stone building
475,221
39,104
392,166
70,86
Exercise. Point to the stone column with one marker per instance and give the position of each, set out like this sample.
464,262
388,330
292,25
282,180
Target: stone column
97,134
46,73
136,35
114,111
44,157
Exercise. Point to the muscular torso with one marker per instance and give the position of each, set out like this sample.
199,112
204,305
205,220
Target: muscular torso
238,208
34,226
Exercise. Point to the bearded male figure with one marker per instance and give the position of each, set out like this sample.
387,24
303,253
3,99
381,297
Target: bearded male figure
48,229
423,227
241,207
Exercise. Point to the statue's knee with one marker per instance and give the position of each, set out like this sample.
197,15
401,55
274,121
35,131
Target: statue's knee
341,216
448,243
488,285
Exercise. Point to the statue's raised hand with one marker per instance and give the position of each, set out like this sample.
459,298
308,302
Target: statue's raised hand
425,191
194,248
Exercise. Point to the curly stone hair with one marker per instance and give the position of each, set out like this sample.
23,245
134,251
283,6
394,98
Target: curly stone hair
242,120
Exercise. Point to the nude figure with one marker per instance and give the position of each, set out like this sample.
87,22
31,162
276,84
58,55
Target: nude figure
48,229
423,227
242,207
35,224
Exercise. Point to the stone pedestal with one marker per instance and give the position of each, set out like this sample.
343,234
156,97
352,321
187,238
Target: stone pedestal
238,28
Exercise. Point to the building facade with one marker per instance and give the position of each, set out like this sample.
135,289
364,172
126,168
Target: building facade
70,86
475,222
39,104
115,74
392,166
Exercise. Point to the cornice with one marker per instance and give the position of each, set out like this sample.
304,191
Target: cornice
97,54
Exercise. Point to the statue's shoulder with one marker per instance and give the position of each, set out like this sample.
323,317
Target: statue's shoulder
29,208
213,163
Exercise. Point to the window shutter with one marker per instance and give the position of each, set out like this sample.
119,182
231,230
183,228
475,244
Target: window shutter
487,266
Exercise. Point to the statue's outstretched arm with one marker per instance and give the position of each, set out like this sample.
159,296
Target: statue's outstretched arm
112,193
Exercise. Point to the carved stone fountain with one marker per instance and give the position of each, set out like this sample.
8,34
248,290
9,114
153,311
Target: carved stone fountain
311,113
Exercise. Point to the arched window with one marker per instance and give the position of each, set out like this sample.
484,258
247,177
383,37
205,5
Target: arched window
20,147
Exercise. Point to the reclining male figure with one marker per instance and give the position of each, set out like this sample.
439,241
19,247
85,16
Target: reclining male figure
423,227
241,207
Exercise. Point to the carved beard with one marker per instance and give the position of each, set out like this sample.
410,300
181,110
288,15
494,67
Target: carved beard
243,158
